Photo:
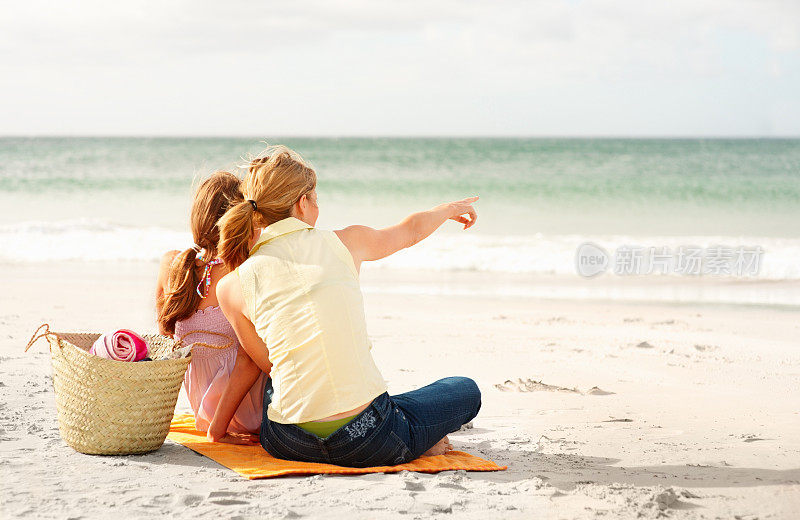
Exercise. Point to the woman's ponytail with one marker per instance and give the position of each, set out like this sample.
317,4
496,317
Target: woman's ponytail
235,231
275,181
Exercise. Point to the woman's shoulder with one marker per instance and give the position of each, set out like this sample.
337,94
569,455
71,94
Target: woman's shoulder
336,239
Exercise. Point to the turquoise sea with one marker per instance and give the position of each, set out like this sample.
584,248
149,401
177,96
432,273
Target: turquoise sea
88,199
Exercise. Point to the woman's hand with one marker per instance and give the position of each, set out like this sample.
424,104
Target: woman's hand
455,210
243,439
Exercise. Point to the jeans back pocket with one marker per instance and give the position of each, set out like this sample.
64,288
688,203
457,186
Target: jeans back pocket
384,448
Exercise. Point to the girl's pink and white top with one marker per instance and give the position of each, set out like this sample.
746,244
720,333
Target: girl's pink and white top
210,369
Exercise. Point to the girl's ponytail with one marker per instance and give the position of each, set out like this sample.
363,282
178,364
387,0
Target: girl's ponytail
214,196
182,298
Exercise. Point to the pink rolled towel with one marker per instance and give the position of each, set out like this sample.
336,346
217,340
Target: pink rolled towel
122,345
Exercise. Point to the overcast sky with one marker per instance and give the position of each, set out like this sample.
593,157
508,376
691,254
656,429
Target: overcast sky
494,67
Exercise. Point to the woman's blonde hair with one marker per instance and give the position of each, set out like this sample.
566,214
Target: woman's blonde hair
212,199
276,180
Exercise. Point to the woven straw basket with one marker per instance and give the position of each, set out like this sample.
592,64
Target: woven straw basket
108,407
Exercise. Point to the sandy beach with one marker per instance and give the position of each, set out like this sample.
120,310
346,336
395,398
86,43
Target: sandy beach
598,408
604,204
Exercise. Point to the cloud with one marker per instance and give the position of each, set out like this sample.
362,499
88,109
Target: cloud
471,64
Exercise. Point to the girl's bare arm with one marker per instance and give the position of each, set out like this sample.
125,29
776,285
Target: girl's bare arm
244,375
251,359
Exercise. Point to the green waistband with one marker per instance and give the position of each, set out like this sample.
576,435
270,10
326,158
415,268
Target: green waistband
323,429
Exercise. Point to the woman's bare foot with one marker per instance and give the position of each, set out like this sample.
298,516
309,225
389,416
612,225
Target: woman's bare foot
440,448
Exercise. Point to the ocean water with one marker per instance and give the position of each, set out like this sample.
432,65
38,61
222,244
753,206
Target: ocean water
122,199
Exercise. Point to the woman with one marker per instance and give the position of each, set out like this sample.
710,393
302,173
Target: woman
187,307
295,303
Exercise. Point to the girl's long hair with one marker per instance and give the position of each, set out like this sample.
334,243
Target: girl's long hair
275,181
213,197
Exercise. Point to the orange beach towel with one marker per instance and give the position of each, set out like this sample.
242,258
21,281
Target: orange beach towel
253,462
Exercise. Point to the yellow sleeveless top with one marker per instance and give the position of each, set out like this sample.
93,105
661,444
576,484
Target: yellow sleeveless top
302,292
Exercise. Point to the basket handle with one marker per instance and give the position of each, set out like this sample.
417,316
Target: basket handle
202,344
38,334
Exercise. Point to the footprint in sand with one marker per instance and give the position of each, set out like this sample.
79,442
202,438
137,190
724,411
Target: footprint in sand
531,385
222,494
230,502
455,477
161,500
191,500
452,481
705,348
752,438
598,391
411,482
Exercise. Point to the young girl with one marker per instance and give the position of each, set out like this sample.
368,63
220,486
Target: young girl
295,303
187,308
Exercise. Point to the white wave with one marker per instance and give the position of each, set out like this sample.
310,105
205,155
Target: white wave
555,254
95,240
86,240
686,293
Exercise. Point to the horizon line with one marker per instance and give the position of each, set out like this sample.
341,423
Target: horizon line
393,136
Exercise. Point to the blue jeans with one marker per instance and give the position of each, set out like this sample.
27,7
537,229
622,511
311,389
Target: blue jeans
391,430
